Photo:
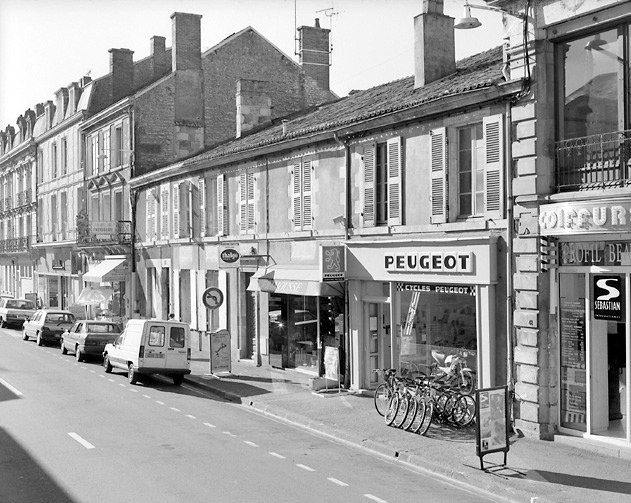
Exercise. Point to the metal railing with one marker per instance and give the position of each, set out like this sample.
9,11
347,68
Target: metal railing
593,162
16,245
100,233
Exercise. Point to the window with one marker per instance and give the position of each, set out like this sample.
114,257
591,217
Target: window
106,207
118,206
470,171
40,165
53,216
95,207
117,145
177,337
104,154
156,336
246,202
64,156
53,160
64,214
302,178
94,154
382,183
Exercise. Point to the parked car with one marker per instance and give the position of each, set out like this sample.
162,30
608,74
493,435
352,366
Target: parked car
15,311
47,325
89,337
151,347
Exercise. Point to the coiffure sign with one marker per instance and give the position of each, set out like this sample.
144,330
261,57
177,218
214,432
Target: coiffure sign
583,216
434,261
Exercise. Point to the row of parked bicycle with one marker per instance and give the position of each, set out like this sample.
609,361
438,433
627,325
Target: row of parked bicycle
413,403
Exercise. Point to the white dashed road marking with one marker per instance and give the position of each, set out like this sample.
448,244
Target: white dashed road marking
305,467
174,409
252,444
81,440
374,498
209,425
191,417
13,390
338,482
276,455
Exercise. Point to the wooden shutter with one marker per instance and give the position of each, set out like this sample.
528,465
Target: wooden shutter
250,201
175,202
493,134
202,207
296,199
88,156
368,215
100,160
243,202
306,186
165,212
126,147
150,207
114,148
394,151
222,217
438,178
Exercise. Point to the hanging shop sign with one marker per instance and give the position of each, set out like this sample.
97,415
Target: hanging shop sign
332,263
584,217
229,256
419,287
434,261
602,253
608,301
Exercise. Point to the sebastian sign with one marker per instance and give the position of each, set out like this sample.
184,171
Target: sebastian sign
584,217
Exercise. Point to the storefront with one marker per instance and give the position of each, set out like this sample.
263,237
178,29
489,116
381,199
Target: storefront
415,302
590,310
113,303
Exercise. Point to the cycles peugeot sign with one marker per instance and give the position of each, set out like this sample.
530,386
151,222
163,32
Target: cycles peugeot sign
229,255
608,300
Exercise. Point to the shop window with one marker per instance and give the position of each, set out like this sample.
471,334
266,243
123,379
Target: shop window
434,323
382,168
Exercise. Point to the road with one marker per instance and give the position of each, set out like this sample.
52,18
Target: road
69,432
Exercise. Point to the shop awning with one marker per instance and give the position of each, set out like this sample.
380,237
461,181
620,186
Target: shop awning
294,281
94,295
113,269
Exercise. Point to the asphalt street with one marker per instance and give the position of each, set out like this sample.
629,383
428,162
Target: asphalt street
69,432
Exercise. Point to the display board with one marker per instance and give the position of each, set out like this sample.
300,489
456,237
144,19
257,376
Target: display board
492,421
220,352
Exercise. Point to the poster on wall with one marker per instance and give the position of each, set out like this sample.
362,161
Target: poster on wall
492,422
220,351
608,298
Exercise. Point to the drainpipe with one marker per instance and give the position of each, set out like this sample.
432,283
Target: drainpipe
510,340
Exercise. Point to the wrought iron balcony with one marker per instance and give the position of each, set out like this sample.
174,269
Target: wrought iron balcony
16,245
91,232
593,162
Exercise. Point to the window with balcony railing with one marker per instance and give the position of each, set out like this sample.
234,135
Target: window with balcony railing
593,150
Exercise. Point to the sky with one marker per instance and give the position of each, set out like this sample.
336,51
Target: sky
47,44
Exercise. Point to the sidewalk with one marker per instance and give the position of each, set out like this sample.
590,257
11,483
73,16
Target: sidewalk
561,471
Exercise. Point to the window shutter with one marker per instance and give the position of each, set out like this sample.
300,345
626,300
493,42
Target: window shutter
126,147
368,215
176,210
296,199
195,226
88,155
222,217
438,179
202,206
99,153
493,134
150,215
307,176
165,213
250,201
113,147
243,203
394,181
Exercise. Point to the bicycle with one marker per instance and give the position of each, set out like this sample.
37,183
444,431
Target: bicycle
385,391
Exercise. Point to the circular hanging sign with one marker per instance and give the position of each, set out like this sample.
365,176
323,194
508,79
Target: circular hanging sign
212,297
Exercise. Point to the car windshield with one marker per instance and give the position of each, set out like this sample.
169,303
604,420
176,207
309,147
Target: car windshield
19,304
60,317
104,328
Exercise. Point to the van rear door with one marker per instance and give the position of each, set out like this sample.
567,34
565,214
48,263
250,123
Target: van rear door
154,349
177,348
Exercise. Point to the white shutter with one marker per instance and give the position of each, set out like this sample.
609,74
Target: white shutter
394,180
368,215
176,210
150,208
222,224
250,202
165,212
243,202
307,178
438,179
202,207
296,200
493,134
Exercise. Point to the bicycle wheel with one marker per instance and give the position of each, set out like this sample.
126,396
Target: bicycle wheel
393,409
382,398
463,412
448,407
421,410
427,419
439,407
402,412
415,407
466,382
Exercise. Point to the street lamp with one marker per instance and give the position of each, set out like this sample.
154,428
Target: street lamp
468,22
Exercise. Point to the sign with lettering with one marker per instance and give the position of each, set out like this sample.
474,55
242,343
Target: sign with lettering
419,287
332,263
603,253
608,298
574,217
229,255
429,261
492,422
220,351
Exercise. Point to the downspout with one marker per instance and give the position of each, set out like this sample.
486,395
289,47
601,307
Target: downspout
133,197
347,226
510,339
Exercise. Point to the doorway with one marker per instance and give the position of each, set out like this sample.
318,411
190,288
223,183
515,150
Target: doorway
377,320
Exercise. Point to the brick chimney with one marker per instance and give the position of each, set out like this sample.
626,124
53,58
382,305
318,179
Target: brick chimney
186,63
74,93
159,61
254,106
84,81
122,72
61,102
434,46
314,52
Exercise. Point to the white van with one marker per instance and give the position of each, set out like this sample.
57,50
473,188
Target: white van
151,347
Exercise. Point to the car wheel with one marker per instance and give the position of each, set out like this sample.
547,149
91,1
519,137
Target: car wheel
24,336
78,354
178,379
2,323
132,375
106,364
64,351
40,342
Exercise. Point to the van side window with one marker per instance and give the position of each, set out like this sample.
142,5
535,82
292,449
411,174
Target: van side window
176,337
156,336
